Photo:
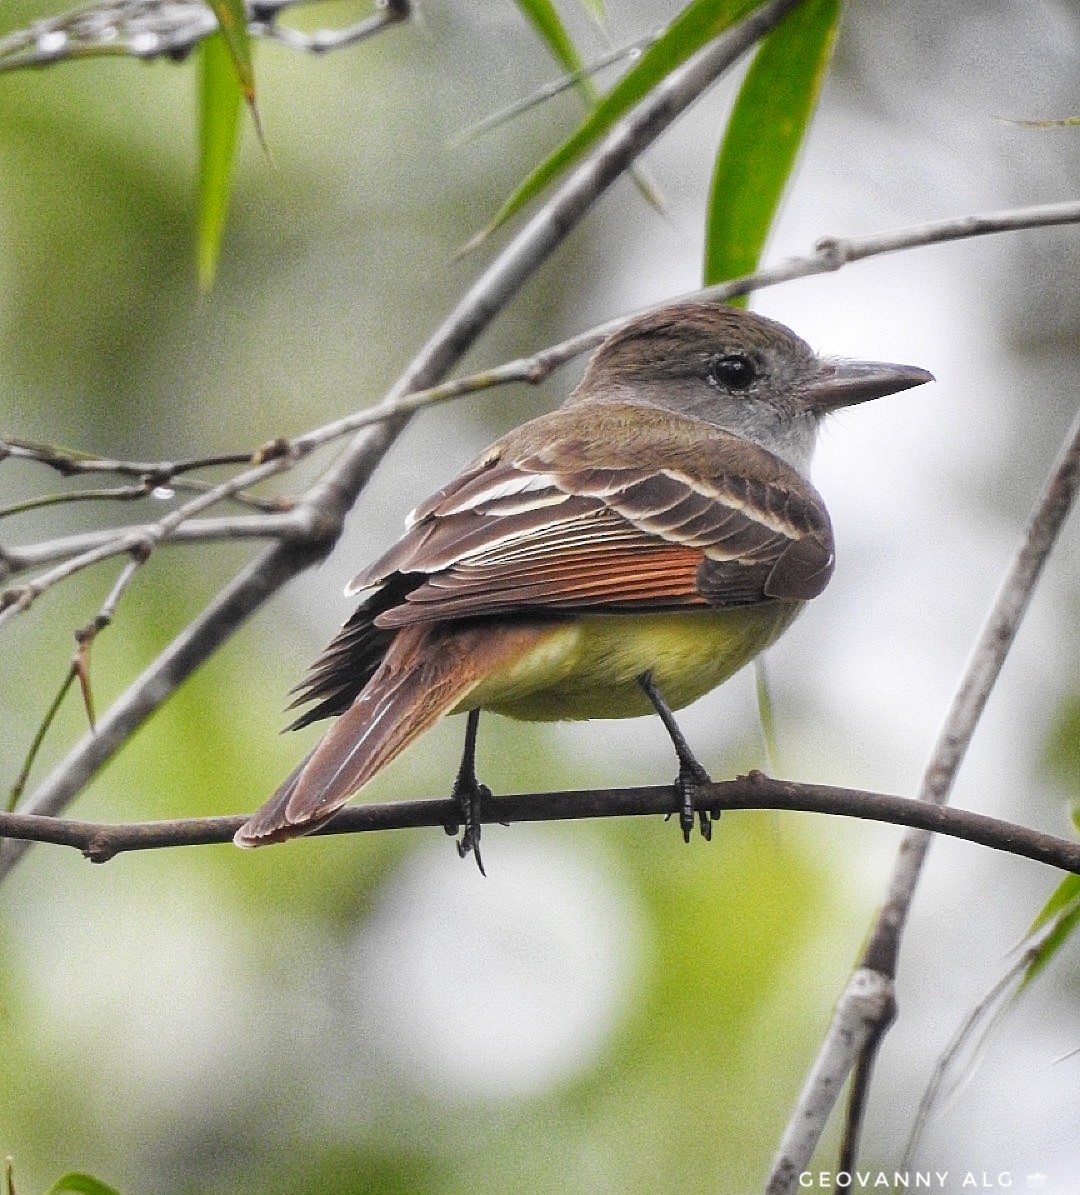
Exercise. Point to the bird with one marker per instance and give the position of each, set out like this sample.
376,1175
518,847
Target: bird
620,555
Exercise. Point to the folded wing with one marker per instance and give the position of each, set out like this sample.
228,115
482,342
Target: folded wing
579,521
517,534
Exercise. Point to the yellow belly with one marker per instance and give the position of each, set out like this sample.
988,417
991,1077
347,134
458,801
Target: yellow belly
589,667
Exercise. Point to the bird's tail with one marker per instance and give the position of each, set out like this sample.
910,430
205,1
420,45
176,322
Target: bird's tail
426,672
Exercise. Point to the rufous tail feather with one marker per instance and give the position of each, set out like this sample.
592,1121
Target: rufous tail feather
427,672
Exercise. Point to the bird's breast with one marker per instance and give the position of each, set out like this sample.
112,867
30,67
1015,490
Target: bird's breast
588,666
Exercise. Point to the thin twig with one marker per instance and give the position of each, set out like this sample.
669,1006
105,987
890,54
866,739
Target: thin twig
39,738
142,542
133,492
550,90
102,841
70,463
14,561
882,950
972,1036
830,254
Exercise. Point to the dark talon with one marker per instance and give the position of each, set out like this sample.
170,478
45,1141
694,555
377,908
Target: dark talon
691,773
470,794
471,806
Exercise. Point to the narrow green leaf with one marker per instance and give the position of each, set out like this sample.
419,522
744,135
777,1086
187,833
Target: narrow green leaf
1063,909
698,23
1062,122
219,118
766,715
596,10
545,19
80,1184
1063,895
233,24
766,128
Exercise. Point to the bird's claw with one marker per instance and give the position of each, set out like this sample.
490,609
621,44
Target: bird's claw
691,776
470,799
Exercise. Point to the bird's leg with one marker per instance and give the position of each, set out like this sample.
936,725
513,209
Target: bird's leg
691,773
469,794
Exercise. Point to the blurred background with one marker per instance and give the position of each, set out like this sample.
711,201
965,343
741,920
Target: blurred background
609,1010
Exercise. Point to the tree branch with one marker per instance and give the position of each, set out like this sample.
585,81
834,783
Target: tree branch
102,841
882,950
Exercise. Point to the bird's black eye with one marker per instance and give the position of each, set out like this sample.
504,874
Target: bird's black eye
733,371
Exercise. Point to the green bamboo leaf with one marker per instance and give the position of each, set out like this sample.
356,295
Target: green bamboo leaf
596,10
1063,909
767,125
219,118
545,19
80,1184
1062,122
698,23
1063,895
233,24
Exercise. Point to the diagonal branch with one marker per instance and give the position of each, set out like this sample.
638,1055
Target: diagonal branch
882,950
321,513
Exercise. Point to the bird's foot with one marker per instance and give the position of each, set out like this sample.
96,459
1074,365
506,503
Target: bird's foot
470,795
690,778
691,774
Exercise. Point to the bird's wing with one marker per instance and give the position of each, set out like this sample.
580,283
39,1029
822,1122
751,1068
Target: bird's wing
541,528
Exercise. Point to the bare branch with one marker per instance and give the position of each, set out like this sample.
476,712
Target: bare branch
991,648
864,1006
69,463
830,253
14,561
138,543
169,28
160,479
102,841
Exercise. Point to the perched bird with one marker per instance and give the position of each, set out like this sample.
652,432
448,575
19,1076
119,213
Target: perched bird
623,554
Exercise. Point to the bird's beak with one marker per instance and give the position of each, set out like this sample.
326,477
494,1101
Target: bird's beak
843,383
